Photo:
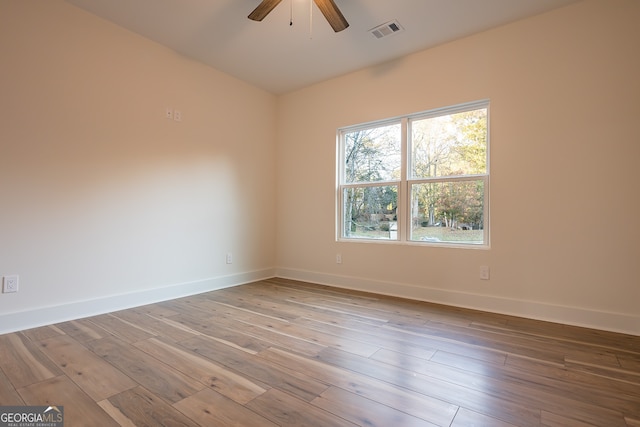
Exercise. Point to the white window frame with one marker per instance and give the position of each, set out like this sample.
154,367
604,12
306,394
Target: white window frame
405,182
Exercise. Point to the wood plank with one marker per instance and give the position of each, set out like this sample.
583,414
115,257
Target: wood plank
158,310
402,360
434,410
37,334
116,414
210,327
256,309
79,409
243,322
209,408
343,341
397,340
140,407
619,374
125,331
485,340
83,330
284,409
590,337
249,327
593,357
473,360
296,303
322,317
192,306
153,326
293,381
277,347
630,362
632,422
364,412
327,307
8,394
602,380
467,418
22,361
506,386
92,374
549,419
272,311
223,380
154,375
433,390
399,356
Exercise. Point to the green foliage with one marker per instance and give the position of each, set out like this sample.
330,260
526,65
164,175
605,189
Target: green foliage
473,145
461,203
451,145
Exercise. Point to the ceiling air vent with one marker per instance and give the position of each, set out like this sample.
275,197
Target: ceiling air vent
386,29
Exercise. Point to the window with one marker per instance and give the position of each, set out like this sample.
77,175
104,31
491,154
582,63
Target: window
420,179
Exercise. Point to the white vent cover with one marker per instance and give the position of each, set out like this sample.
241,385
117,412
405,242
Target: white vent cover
386,29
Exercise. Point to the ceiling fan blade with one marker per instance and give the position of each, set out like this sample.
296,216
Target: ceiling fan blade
333,14
263,9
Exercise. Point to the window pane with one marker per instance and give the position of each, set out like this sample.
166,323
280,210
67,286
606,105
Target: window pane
370,212
450,212
373,154
454,144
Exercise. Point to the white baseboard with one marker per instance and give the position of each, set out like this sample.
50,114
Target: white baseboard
607,321
18,321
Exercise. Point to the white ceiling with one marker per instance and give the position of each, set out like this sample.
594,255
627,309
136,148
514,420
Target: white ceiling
280,58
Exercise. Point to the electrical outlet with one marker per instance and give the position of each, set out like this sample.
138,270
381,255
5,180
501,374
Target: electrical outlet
484,272
338,258
177,115
10,284
168,113
229,258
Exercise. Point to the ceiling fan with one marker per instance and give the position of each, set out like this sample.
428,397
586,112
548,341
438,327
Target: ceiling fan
327,7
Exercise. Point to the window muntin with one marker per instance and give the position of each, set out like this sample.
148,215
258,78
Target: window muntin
419,179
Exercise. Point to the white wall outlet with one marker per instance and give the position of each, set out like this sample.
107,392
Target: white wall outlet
484,272
338,258
229,258
177,115
10,284
168,113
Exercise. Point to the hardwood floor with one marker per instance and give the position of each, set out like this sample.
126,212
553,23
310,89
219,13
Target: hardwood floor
285,353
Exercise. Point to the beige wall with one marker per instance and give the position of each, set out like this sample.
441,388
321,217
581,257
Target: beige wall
104,202
565,150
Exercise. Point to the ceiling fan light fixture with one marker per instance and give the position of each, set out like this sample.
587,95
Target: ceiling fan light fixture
329,9
263,9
